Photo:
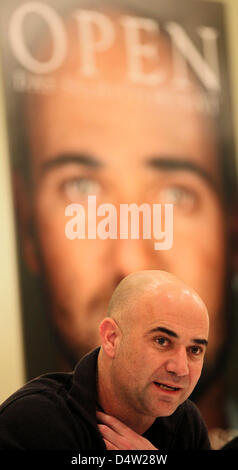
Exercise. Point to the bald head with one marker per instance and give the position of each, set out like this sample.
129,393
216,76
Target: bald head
149,283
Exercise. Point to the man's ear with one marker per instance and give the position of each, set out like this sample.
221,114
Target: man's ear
24,212
109,333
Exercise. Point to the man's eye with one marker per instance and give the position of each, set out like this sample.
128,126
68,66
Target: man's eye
180,196
161,341
196,350
78,188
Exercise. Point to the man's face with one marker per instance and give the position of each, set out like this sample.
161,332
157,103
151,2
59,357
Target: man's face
159,359
127,150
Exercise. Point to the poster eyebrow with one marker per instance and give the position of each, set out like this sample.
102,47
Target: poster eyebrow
69,159
180,164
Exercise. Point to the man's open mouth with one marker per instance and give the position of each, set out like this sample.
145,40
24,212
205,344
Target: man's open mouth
169,388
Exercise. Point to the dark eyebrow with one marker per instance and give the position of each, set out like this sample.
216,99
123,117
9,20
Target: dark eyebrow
164,330
174,335
69,159
171,164
200,341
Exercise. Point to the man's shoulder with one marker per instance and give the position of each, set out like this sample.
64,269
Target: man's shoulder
187,414
36,414
48,387
53,411
193,435
183,430
53,387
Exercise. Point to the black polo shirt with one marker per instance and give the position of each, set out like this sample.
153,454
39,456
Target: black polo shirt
58,412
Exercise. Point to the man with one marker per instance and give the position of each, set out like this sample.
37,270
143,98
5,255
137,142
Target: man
123,143
153,346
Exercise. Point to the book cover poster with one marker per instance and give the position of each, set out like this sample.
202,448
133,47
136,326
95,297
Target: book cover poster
118,111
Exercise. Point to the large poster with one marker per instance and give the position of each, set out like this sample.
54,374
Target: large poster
121,144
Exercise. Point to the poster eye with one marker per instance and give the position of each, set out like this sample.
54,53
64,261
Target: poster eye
78,188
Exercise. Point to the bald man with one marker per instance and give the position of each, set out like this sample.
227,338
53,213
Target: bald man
132,393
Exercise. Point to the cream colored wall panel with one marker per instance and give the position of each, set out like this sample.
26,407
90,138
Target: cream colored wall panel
11,342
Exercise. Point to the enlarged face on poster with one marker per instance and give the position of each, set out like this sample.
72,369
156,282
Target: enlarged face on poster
122,107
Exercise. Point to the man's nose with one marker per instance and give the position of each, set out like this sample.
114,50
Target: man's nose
134,255
177,364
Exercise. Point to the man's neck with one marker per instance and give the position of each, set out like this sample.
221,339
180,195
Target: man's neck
109,401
